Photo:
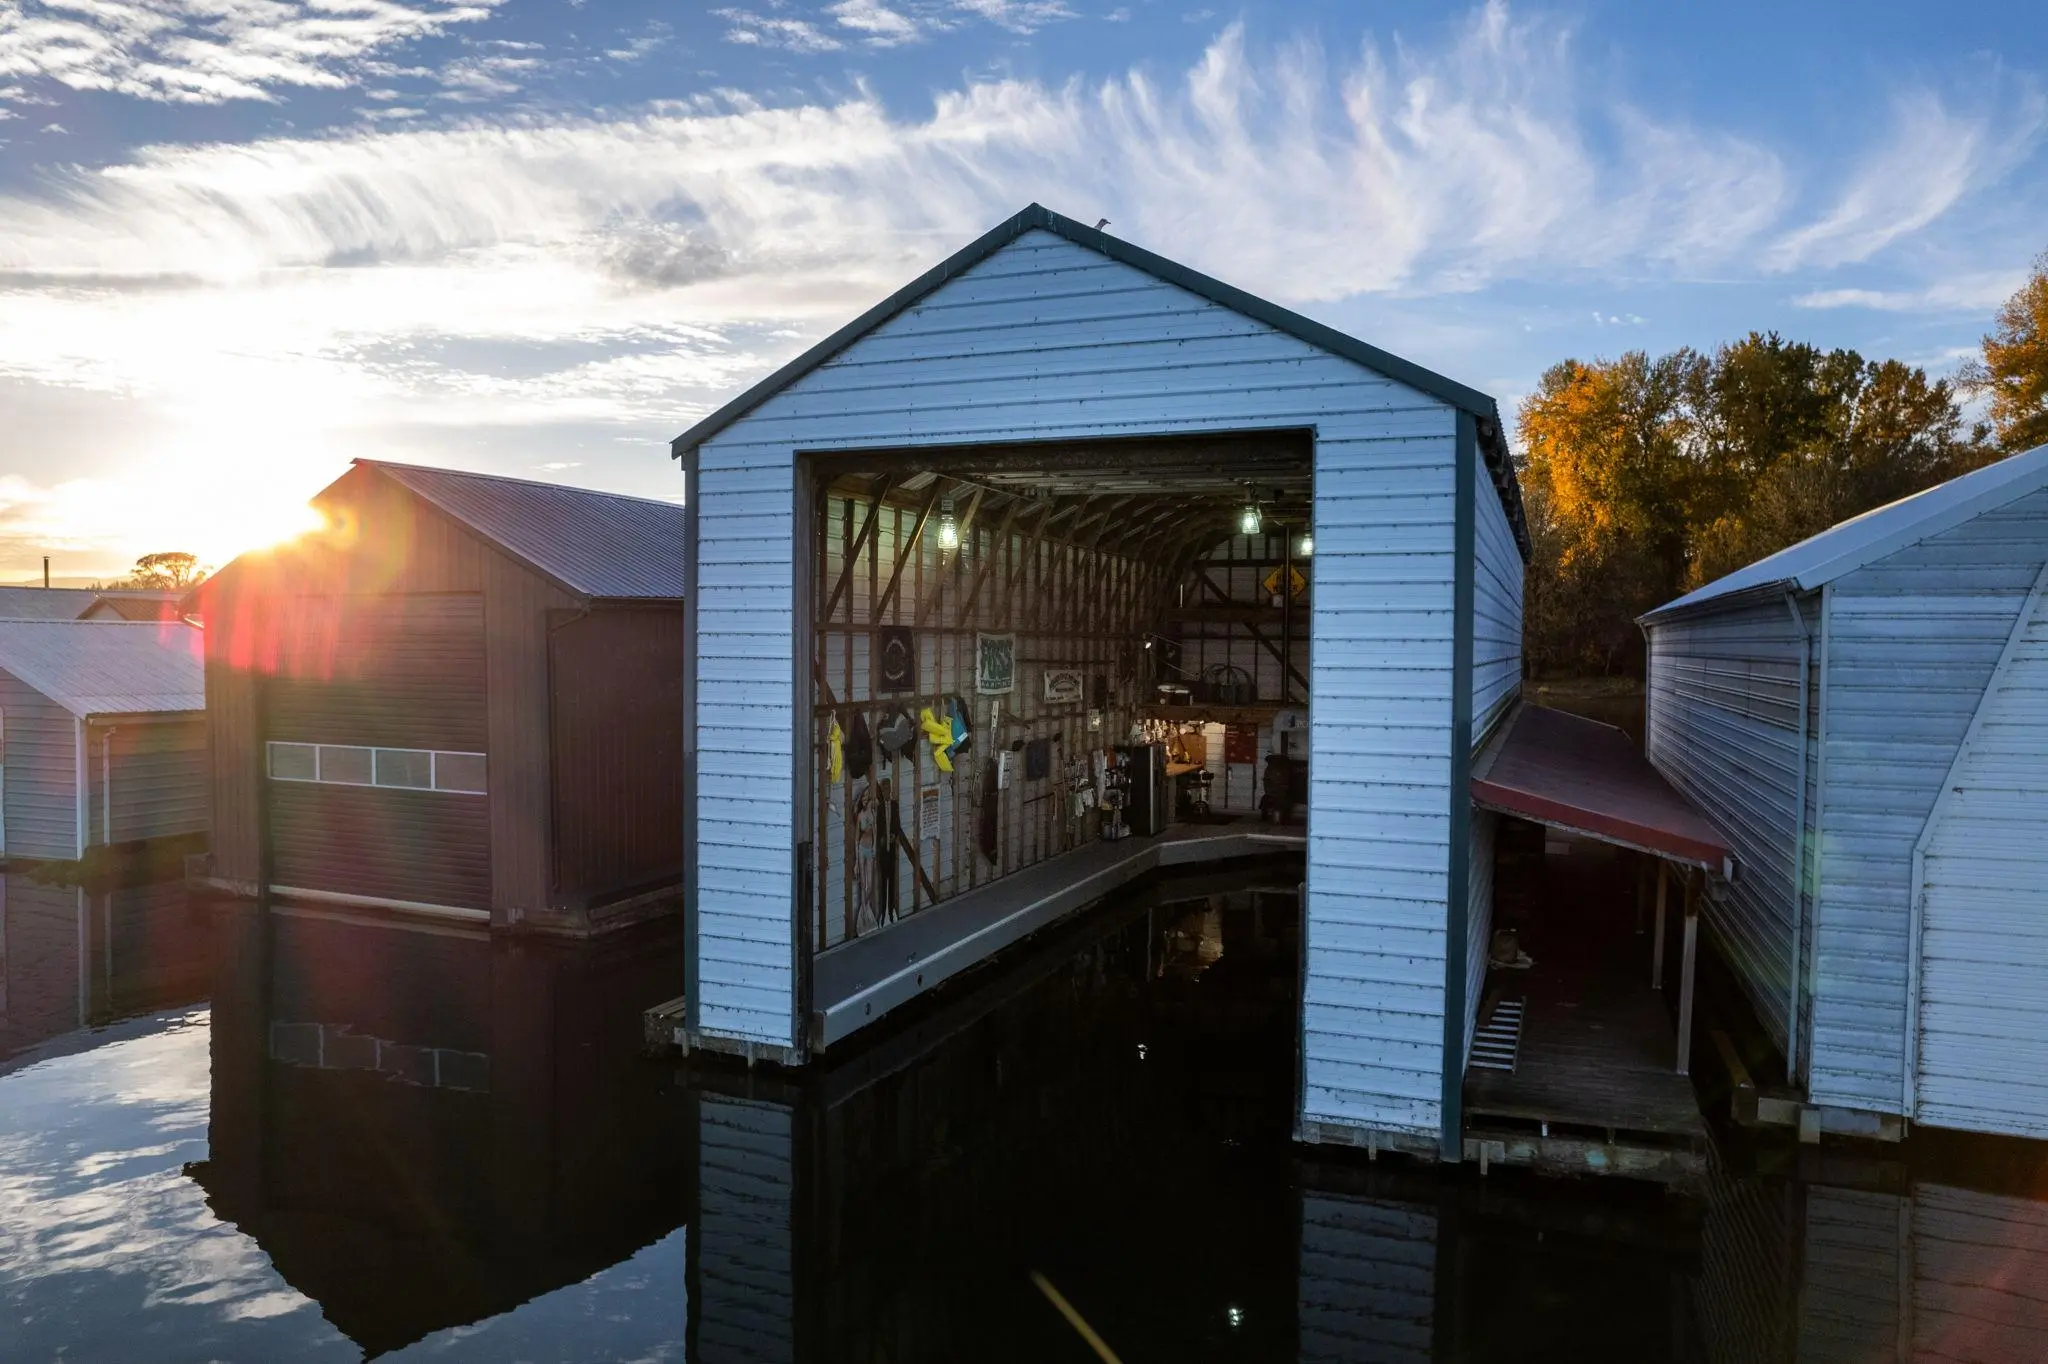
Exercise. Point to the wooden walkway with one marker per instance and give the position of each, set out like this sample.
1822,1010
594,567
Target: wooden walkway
858,982
1598,1054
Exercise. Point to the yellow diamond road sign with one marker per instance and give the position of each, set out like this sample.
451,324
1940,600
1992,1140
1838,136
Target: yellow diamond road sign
1295,582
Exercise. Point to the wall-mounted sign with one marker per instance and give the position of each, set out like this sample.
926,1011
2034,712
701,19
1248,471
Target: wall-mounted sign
927,813
1064,686
895,659
1240,743
995,666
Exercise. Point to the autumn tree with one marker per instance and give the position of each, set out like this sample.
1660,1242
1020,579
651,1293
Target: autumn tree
2012,372
1610,474
1795,439
172,571
1646,477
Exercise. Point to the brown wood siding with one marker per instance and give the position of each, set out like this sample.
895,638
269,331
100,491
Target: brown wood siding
516,606
618,752
265,617
231,735
432,847
400,671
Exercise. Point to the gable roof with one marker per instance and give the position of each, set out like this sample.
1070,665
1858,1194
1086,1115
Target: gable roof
594,544
107,667
133,605
1492,439
1841,549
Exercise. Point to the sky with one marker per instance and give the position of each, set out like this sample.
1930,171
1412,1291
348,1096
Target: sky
244,241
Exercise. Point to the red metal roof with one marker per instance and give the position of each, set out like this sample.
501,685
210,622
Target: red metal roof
1573,773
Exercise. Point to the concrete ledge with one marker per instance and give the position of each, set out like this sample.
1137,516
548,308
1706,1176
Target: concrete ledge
858,982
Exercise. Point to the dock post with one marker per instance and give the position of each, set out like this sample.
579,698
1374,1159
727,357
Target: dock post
1657,942
1692,936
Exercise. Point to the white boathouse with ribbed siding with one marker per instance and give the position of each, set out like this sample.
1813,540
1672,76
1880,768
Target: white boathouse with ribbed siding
1865,716
1086,423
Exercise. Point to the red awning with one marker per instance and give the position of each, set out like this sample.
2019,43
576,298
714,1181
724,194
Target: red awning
1578,774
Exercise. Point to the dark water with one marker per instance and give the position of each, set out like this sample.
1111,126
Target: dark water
427,1144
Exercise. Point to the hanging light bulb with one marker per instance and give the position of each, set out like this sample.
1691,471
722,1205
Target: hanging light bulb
1308,544
949,529
1248,520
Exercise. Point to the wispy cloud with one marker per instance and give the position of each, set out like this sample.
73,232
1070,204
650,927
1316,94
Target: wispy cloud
878,25
1019,16
774,30
628,272
1976,292
1929,160
211,51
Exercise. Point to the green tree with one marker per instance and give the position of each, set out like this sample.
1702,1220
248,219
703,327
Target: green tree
170,571
2013,370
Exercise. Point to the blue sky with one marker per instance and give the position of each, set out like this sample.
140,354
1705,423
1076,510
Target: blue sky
242,241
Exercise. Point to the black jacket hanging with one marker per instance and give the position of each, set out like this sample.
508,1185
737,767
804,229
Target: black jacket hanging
860,747
985,822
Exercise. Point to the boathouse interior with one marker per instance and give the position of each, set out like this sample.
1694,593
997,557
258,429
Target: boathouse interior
987,619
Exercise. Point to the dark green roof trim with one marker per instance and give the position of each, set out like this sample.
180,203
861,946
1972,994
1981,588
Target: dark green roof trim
1492,438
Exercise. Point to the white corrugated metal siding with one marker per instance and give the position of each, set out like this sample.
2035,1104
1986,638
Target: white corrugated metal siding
159,780
1368,1279
39,740
1983,1006
1496,607
1479,917
1047,339
1723,727
745,1294
1912,640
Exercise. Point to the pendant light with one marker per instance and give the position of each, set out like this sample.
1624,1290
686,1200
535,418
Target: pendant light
949,529
1308,543
1249,521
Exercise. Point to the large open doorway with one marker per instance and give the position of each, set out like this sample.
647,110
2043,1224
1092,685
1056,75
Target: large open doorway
1021,654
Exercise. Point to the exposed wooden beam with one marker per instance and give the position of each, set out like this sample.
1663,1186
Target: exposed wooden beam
988,560
930,600
905,550
876,492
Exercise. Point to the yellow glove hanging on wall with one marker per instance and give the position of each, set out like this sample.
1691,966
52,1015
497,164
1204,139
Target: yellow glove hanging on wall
939,734
836,740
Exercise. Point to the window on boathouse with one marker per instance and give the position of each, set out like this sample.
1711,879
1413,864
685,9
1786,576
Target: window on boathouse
409,769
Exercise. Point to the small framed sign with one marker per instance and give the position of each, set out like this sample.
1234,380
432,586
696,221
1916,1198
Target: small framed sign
927,813
1063,686
895,659
995,669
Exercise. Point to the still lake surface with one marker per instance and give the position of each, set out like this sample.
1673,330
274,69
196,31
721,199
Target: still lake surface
225,1138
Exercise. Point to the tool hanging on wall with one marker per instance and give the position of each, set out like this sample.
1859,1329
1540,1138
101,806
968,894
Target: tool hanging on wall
835,740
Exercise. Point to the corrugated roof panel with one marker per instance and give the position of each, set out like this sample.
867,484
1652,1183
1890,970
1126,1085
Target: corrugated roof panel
45,603
107,667
1886,530
598,544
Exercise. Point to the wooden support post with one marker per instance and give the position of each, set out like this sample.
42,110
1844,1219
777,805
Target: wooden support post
1657,941
1685,974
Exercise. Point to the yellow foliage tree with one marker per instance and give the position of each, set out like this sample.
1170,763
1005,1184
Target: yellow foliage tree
2013,371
